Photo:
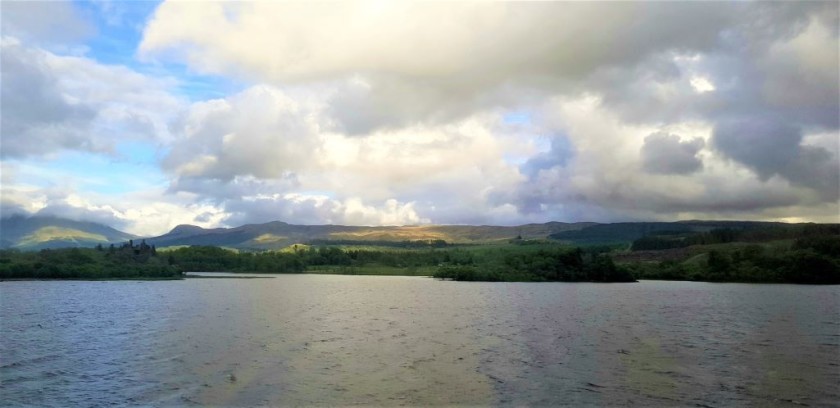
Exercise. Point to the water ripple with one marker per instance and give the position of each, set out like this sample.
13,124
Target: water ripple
335,340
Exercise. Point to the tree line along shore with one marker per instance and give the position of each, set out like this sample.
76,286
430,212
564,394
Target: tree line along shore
809,256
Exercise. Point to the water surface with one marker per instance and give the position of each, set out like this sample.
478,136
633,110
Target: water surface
340,340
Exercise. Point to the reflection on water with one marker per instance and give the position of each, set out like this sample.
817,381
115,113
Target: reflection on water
338,340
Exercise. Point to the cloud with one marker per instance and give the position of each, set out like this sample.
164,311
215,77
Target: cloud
643,60
769,147
141,212
317,209
603,180
287,41
45,23
77,209
636,70
403,113
34,108
260,132
60,201
802,71
479,169
817,168
218,190
53,103
779,60
559,154
9,208
257,152
425,61
764,145
668,154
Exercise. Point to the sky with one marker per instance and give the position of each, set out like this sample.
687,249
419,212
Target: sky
147,115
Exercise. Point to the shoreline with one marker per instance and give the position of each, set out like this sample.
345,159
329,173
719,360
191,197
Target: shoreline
88,279
321,272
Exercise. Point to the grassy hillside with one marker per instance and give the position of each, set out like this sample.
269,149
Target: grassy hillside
72,236
275,235
458,233
39,232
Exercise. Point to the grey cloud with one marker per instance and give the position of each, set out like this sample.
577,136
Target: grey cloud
817,168
360,107
776,60
504,40
734,200
220,190
419,75
368,103
45,22
60,208
667,154
560,153
555,198
758,64
528,199
769,148
765,145
9,209
204,217
544,187
52,103
36,117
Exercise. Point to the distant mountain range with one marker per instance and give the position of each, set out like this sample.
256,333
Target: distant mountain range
38,232
278,234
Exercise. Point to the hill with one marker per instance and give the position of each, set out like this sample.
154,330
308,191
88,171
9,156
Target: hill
279,234
40,232
626,232
794,253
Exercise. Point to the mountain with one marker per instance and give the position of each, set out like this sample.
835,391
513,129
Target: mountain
39,232
280,234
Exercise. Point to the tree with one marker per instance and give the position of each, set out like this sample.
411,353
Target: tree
719,265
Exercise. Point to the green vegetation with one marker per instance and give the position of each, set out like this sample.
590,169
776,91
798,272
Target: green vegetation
300,259
739,252
542,264
680,239
546,262
129,261
812,259
32,233
47,234
626,232
415,244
